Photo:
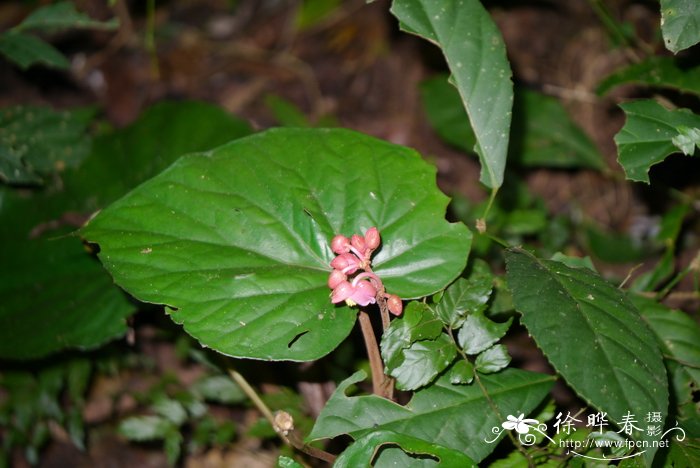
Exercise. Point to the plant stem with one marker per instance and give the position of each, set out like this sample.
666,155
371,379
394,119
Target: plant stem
381,385
288,436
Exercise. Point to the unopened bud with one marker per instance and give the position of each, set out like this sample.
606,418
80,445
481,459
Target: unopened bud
394,304
358,242
336,277
340,244
372,238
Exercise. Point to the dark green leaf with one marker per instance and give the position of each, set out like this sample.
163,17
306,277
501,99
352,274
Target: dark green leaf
462,372
492,360
26,50
364,450
479,333
247,277
455,416
476,56
416,323
61,15
680,24
648,134
614,247
570,311
466,296
446,113
574,262
418,364
684,453
545,136
660,72
36,141
172,445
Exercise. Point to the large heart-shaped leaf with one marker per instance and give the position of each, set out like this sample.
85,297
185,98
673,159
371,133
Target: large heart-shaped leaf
459,417
476,55
592,334
651,133
236,241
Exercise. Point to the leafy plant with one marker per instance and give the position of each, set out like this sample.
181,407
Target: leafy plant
272,246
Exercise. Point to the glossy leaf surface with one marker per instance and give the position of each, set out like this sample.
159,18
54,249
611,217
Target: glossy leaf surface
680,24
454,416
236,241
476,55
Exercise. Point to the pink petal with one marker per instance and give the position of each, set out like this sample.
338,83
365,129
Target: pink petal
336,277
359,243
342,292
364,294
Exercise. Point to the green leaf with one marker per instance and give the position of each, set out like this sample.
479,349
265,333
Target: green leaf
614,247
647,136
364,450
446,114
684,453
416,323
247,277
55,295
437,413
680,24
36,141
591,334
170,409
145,428
574,262
545,136
418,364
286,113
26,50
466,296
61,15
658,72
286,462
311,12
492,360
220,389
479,333
462,372
686,140
476,57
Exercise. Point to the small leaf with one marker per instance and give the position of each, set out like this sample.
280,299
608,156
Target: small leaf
247,277
476,57
574,262
479,333
145,428
466,296
573,310
462,372
418,364
680,24
26,50
647,136
286,462
363,451
492,360
170,409
416,323
61,15
686,140
658,72
455,416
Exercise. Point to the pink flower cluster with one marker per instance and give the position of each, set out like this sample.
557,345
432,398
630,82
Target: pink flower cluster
353,256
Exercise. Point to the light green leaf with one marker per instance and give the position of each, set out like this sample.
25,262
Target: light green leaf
286,462
36,141
647,136
418,364
570,311
574,262
466,295
145,428
455,416
658,72
492,360
476,57
170,409
479,333
220,389
680,24
545,136
364,450
686,140
61,15
26,50
247,276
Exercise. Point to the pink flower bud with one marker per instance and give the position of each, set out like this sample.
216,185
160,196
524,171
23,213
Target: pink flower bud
394,304
342,292
340,244
364,294
359,243
336,277
347,263
372,238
